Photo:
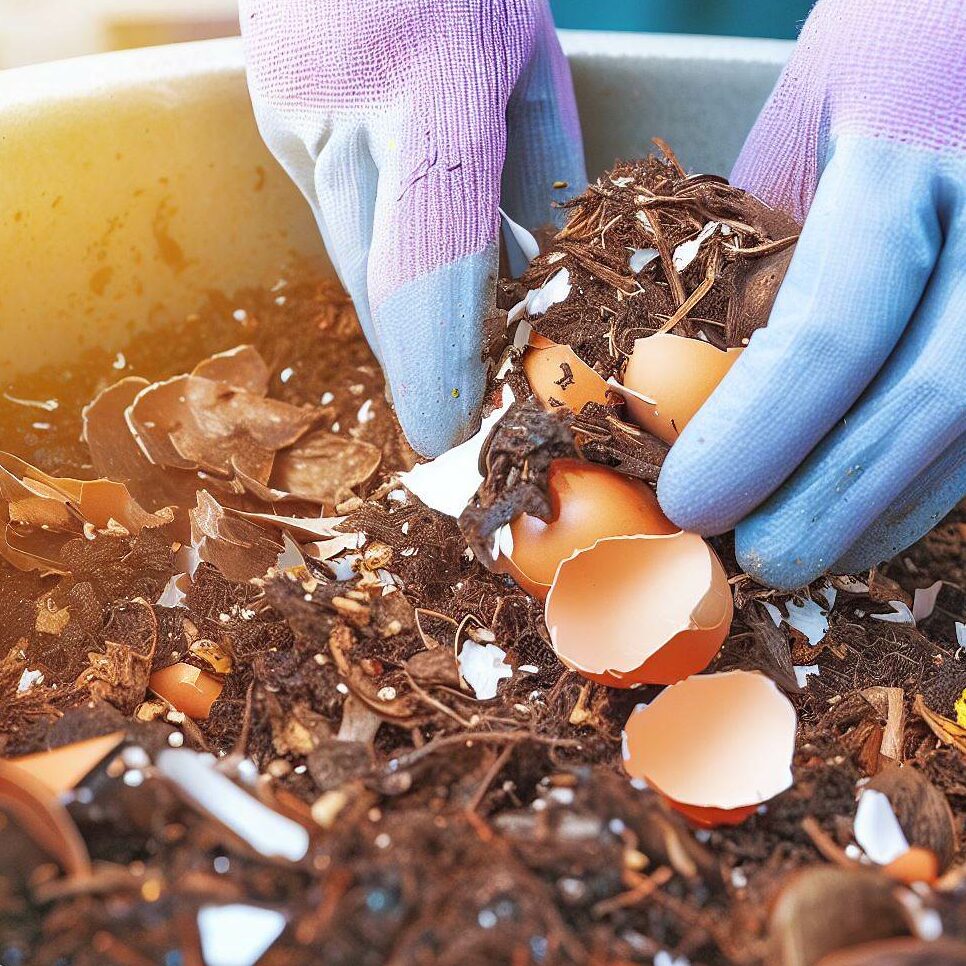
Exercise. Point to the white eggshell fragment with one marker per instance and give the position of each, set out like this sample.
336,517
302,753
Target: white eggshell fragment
447,483
482,667
877,830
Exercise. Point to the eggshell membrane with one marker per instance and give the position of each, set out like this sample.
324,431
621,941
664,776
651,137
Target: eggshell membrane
187,688
916,864
588,502
678,374
714,745
543,367
640,609
62,769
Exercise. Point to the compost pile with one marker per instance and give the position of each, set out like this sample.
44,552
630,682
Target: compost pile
259,703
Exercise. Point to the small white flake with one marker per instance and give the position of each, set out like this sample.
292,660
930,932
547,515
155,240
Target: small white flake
664,958
526,241
556,289
343,568
237,935
172,595
924,601
960,633
365,413
326,398
291,555
900,614
687,251
286,374
529,669
641,258
877,830
809,618
802,672
483,667
119,361
240,315
28,679
776,615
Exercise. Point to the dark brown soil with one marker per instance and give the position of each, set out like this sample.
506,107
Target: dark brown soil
445,829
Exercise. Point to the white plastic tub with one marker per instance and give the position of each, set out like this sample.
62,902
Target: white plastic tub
133,184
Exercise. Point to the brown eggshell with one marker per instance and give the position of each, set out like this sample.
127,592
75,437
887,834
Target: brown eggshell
916,864
546,368
669,378
62,769
589,502
640,609
38,812
187,688
538,341
715,746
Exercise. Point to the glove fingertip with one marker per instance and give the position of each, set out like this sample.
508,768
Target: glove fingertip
684,492
777,555
431,334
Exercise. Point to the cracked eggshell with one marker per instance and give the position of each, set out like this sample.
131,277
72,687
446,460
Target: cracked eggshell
28,805
187,689
546,368
640,609
716,746
588,502
62,769
668,378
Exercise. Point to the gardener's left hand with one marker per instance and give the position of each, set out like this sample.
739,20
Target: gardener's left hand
839,437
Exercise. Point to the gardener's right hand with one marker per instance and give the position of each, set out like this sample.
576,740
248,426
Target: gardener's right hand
395,117
839,436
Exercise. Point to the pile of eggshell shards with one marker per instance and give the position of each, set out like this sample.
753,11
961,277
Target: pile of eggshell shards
236,478
629,598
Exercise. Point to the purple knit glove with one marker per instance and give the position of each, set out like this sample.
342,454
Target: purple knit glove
404,123
838,437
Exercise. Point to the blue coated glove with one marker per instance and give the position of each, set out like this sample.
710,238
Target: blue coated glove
839,437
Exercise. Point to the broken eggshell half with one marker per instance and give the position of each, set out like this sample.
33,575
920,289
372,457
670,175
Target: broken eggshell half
715,746
61,770
589,502
187,689
668,379
640,609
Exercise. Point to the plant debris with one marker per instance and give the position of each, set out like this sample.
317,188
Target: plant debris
388,762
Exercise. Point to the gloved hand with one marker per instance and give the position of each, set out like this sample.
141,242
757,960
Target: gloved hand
395,117
839,437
